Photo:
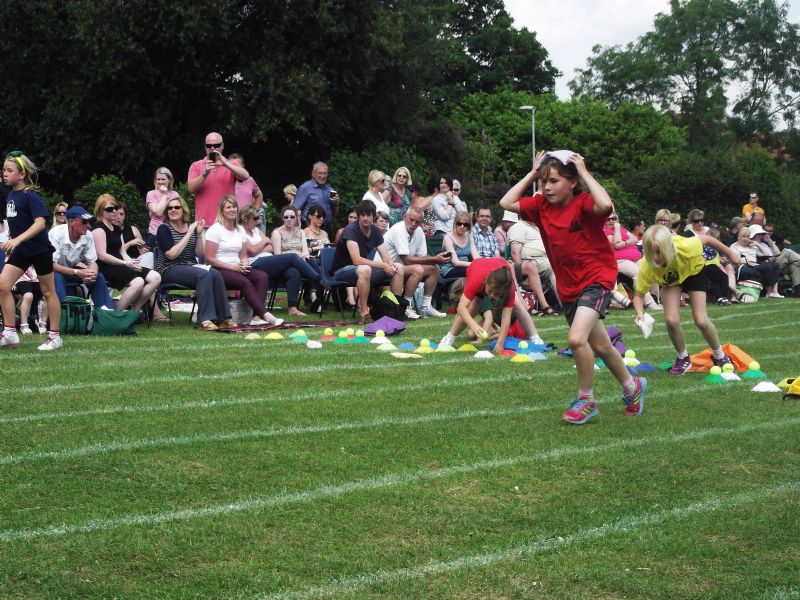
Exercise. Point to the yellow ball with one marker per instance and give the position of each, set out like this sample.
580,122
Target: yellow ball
522,345
328,331
424,342
380,333
342,334
754,366
360,333
715,370
301,333
630,354
350,331
727,368
485,335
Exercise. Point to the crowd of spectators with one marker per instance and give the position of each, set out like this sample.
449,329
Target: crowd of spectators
397,238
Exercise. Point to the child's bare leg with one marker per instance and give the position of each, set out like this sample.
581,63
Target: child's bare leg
601,344
25,308
671,301
578,339
48,285
8,278
701,320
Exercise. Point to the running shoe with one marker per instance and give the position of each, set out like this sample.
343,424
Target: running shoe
9,339
429,311
411,313
53,342
634,404
580,411
681,366
721,362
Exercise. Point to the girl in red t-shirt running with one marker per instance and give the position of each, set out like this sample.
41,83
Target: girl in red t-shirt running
570,221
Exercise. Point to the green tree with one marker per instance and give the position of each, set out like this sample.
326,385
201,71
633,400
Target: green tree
123,191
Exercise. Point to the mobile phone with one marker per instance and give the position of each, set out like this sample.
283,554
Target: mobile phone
447,254
213,156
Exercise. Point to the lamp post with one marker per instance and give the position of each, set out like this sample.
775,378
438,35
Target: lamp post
533,131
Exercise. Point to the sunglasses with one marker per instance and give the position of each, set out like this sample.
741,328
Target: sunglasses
61,213
175,207
462,224
110,209
456,189
612,218
215,146
289,217
697,220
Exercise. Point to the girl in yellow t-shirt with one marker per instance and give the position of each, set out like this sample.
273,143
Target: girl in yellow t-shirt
675,263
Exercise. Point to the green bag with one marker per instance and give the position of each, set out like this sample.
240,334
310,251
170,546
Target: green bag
115,322
76,316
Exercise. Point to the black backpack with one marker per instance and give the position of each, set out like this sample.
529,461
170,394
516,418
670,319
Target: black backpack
386,304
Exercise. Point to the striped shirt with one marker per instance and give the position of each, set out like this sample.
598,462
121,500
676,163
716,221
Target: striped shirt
167,237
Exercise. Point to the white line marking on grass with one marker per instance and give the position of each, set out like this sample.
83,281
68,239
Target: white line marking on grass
787,593
261,372
375,483
236,436
291,397
351,585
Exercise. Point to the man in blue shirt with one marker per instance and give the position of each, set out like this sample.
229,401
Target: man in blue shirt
483,236
318,191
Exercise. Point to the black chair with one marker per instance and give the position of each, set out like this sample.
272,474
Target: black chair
328,282
164,293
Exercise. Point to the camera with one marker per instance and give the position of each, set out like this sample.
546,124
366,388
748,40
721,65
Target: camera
213,156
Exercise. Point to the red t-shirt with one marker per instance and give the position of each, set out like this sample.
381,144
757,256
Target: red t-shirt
578,249
477,272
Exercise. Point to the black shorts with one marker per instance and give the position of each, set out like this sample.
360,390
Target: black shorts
594,296
29,287
42,263
695,283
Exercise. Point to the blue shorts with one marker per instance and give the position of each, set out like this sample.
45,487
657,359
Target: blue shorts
348,274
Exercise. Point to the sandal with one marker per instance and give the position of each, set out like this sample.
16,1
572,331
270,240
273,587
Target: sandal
365,319
548,311
227,324
208,326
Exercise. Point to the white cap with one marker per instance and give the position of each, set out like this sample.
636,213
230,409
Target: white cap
510,216
755,230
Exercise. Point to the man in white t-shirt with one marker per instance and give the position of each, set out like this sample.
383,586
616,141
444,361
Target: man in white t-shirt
75,258
528,252
405,243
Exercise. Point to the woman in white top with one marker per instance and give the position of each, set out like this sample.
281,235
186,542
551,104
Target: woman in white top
755,263
288,267
376,188
226,251
445,206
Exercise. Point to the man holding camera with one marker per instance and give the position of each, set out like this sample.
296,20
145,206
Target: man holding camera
211,178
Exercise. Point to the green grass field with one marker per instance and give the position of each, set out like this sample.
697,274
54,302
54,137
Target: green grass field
184,464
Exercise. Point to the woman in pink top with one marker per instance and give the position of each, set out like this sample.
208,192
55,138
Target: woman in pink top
157,200
627,253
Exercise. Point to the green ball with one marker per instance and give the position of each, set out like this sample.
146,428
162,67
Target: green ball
360,333
715,370
342,334
630,354
522,345
424,342
727,368
485,335
754,366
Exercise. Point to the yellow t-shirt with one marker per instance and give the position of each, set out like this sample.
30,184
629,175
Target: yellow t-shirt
748,208
688,261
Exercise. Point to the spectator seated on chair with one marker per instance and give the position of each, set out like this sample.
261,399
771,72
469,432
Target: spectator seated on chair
531,263
226,250
405,243
75,258
353,264
287,267
628,254
754,263
788,260
120,271
460,247
30,292
181,244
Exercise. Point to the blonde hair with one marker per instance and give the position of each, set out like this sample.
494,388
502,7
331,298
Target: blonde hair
246,212
26,166
664,215
100,204
659,236
406,172
374,177
222,202
168,173
185,212
290,189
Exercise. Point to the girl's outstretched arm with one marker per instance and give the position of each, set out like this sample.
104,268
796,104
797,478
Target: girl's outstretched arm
730,253
511,200
602,201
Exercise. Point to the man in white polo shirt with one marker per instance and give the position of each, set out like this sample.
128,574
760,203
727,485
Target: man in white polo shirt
405,243
75,258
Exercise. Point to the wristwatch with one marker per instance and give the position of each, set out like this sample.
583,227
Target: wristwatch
75,272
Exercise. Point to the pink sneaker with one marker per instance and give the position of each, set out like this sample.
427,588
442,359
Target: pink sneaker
580,411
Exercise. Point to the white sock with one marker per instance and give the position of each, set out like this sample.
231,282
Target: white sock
427,301
718,353
410,300
537,339
683,354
